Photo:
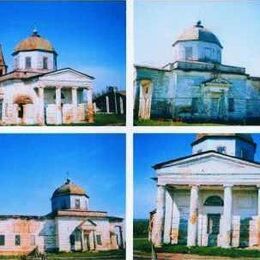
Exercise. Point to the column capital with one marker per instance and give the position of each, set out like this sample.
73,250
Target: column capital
194,186
258,186
228,185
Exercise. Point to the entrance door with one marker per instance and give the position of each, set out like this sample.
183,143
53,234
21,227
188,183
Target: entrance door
214,108
86,241
213,229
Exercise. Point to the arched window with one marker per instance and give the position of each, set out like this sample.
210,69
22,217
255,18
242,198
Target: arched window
214,201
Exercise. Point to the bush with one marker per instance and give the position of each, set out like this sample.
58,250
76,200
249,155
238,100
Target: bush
141,228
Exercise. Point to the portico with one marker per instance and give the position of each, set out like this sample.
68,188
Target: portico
208,198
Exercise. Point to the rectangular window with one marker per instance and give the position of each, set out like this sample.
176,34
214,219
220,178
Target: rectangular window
45,63
99,241
207,53
231,105
194,105
221,149
17,240
77,203
188,53
28,62
2,240
32,240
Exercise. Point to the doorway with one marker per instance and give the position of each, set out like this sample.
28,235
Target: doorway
86,241
214,108
213,229
20,111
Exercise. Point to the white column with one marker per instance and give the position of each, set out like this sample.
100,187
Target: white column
227,217
159,219
41,106
58,104
121,105
193,218
168,217
258,202
107,104
90,112
74,103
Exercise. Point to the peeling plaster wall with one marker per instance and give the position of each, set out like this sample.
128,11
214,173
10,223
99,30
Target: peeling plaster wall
174,90
43,232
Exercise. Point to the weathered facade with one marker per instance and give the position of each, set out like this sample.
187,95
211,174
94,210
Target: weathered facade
35,92
71,226
195,85
209,198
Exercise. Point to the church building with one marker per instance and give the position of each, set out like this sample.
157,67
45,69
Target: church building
211,197
71,226
195,85
36,92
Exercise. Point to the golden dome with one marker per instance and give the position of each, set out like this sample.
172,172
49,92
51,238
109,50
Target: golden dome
69,188
34,42
246,137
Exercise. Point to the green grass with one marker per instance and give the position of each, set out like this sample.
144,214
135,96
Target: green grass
142,245
119,254
104,119
168,122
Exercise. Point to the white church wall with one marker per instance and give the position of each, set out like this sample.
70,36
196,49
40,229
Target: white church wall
66,226
213,144
201,51
36,60
83,202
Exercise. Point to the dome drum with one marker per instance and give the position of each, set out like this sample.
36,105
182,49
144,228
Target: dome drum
197,44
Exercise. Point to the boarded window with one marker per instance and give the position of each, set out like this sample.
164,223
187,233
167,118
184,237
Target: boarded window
221,149
188,53
77,203
2,240
28,62
45,63
194,105
231,105
17,240
99,241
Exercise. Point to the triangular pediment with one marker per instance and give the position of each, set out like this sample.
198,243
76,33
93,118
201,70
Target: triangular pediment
87,224
210,162
67,74
217,81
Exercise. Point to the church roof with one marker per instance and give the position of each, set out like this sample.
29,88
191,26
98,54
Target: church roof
69,188
198,33
34,42
245,137
166,163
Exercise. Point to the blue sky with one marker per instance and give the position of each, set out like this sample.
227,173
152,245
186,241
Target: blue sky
235,23
34,165
150,149
88,36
